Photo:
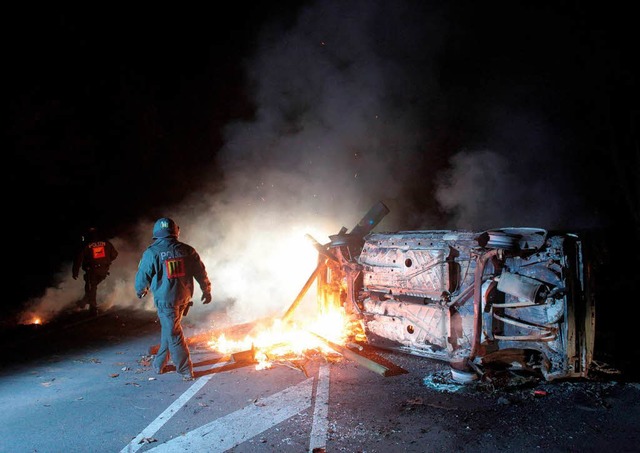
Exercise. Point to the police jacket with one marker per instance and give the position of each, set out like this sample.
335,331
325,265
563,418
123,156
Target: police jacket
95,256
168,267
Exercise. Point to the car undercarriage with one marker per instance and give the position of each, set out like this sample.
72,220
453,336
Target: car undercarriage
512,298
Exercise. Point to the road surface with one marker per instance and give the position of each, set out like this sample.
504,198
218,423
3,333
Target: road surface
87,385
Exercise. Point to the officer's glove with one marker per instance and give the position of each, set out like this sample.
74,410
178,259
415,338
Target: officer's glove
142,294
206,298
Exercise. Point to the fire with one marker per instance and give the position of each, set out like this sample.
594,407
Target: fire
292,339
32,319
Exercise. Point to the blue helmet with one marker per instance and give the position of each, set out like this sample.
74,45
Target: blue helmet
165,227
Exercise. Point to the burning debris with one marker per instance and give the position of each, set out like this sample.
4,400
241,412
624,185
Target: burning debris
282,341
511,298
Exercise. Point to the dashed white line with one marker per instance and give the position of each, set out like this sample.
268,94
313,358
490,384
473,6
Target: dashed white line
320,411
244,424
164,417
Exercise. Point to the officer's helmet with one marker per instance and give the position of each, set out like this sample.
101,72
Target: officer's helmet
165,228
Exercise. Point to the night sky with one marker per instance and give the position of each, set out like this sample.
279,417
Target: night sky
261,121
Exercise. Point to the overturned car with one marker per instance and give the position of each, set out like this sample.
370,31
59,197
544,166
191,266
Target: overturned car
515,298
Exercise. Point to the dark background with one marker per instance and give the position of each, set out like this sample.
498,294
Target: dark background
103,103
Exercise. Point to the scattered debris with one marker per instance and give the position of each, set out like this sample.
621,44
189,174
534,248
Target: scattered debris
368,359
146,360
603,368
442,382
87,360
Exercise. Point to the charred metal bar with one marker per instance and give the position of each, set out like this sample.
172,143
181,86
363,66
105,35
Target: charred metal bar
303,291
370,220
248,356
354,240
321,248
352,355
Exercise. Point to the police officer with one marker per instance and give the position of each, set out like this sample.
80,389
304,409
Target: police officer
168,267
95,258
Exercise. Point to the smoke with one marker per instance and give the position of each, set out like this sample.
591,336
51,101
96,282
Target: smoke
116,289
343,98
335,130
523,179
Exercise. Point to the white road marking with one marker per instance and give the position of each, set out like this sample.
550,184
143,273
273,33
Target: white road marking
240,426
320,410
163,418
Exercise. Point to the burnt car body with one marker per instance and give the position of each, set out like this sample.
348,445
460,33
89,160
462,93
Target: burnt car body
505,298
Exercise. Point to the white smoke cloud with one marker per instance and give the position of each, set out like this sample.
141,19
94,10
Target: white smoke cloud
341,98
523,179
334,132
116,289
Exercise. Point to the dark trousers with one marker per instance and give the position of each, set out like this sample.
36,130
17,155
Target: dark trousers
172,342
92,279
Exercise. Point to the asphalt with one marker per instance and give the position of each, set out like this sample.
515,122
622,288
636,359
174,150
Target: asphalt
85,383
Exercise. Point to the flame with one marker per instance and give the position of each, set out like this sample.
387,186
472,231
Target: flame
291,340
32,318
